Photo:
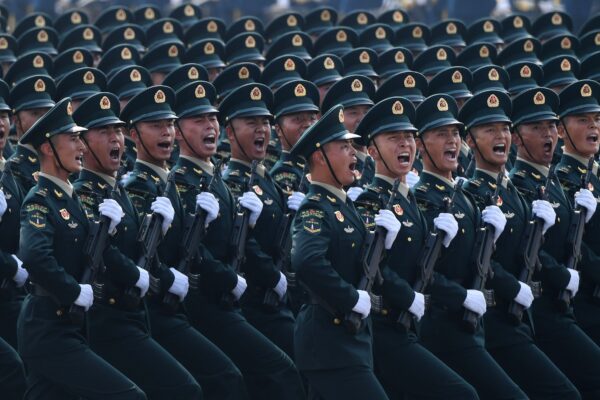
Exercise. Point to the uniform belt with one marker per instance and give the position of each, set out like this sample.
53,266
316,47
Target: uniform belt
380,306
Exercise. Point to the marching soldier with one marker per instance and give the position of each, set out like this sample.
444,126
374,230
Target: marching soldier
268,372
487,122
328,237
150,120
464,351
60,363
388,131
118,331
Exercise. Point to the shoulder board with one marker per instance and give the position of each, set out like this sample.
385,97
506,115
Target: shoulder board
422,188
142,176
314,197
181,171
88,185
521,173
566,169
42,192
475,182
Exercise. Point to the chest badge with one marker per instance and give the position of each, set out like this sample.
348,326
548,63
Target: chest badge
7,196
348,229
459,215
407,223
72,224
555,205
65,214
339,216
258,190
268,202
509,215
398,210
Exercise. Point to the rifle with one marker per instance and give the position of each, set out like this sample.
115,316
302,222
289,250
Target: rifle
7,285
374,248
194,233
149,237
575,237
239,236
284,244
484,248
429,257
93,250
534,239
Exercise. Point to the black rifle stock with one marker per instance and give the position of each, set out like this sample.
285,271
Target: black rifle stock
429,257
374,248
7,284
484,248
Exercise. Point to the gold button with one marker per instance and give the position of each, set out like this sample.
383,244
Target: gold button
558,220
409,239
352,244
111,301
511,230
384,312
75,239
463,230
59,313
337,321
125,229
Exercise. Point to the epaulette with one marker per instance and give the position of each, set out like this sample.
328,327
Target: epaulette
291,164
566,169
422,188
475,182
314,197
181,170
42,192
143,175
88,185
234,172
521,173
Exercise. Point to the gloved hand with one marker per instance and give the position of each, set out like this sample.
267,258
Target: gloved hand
495,217
240,287
447,223
208,203
111,209
412,179
293,202
143,282
124,178
417,308
525,296
86,297
573,285
3,204
162,206
584,198
180,284
354,192
21,276
543,209
250,201
363,305
281,286
475,301
387,220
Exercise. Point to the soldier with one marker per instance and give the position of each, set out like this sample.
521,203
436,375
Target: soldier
60,364
328,237
463,351
267,371
557,333
388,131
487,122
119,332
579,119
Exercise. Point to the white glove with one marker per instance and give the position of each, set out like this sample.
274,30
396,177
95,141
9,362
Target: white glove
495,217
3,204
543,209
293,202
281,286
180,284
475,301
447,223
21,276
143,282
86,297
208,202
363,305
525,296
387,220
417,308
111,209
584,198
573,285
354,192
250,201
411,179
124,178
240,287
162,206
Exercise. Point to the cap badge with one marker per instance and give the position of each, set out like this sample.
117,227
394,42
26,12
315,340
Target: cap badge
297,41
518,22
528,46
525,72
104,103
159,97
38,62
451,28
135,75
193,73
341,115
149,13
442,104
243,73
189,11
493,101
250,42
88,34
300,90
120,15
357,86
3,43
586,90
200,93
40,21
249,25
565,65
484,52
362,19
441,55
493,75
209,48
399,57
69,108
341,36
292,21
173,51
328,63
565,43
78,57
398,17
126,54
256,94
289,65
42,36
380,33
168,27
364,58
129,34
325,16
488,27
397,108
556,19
212,27
417,32
409,82
75,18
39,86
539,99
457,77
89,78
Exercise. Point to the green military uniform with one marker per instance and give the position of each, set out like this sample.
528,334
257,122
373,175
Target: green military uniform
460,350
511,345
575,99
215,372
259,360
117,332
557,333
425,376
60,364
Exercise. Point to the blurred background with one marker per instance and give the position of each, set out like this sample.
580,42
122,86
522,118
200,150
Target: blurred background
427,11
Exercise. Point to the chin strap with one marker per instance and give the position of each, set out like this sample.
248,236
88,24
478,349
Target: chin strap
187,142
143,145
427,152
92,152
381,155
329,166
60,164
238,142
562,121
523,143
477,147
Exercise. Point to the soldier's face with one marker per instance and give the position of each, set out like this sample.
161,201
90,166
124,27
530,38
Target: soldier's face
443,146
201,133
342,157
213,73
538,141
158,77
491,145
323,89
24,119
290,127
4,128
251,134
353,115
393,152
69,148
157,138
108,144
584,131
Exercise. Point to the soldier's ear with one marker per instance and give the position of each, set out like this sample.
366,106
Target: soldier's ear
560,126
469,140
45,149
373,152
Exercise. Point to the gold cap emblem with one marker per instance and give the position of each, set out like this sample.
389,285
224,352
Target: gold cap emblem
189,11
126,54
565,65
78,57
525,72
3,43
135,76
89,78
38,62
357,86
528,46
488,27
243,73
159,97
409,81
341,36
39,86
212,27
289,65
565,43
104,103
417,32
88,34
442,104
255,94
300,90
193,73
397,16
328,63
200,92
556,19
493,101
325,16
441,55
249,25
597,39
457,77
173,51
297,41
149,13
364,57
75,18
42,36
539,99
40,21
120,15
586,90
484,52
209,48
168,27
518,22
129,34
250,43
292,21
399,57
451,28
493,75
380,33
341,115
397,108
362,19
69,109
